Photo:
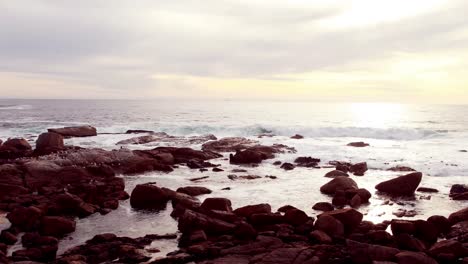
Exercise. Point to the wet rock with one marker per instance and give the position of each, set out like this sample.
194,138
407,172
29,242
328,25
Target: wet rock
401,168
307,161
362,253
219,204
243,177
249,210
441,223
338,183
297,136
138,131
277,163
404,213
336,173
8,237
76,131
339,200
199,178
403,185
246,157
358,169
451,247
14,148
427,190
359,144
349,217
330,225
56,226
458,216
245,231
229,144
191,221
356,201
407,242
320,237
26,218
458,188
323,206
287,166
264,219
217,169
194,190
426,231
414,258
149,196
49,142
402,227
296,217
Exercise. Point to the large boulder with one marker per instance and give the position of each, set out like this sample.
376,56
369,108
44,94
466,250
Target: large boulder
246,157
459,216
56,226
229,144
249,210
15,148
191,221
218,204
339,183
349,217
358,169
330,225
26,218
362,253
407,257
75,131
400,186
194,190
149,196
49,142
336,173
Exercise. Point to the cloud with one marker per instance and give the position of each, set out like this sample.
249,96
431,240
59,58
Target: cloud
120,47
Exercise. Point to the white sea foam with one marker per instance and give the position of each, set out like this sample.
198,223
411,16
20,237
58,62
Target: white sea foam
15,107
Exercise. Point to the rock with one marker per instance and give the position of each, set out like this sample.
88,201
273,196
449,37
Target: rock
458,189
249,210
338,183
306,161
426,231
217,169
229,144
297,136
355,202
76,131
323,206
358,169
149,196
427,190
243,177
403,185
25,218
246,156
440,222
14,148
245,231
194,190
138,131
191,221
339,200
402,227
452,247
336,173
401,168
287,166
459,216
220,204
359,144
49,142
408,242
362,253
329,225
8,237
296,217
414,258
320,237
349,217
460,196
56,226
264,219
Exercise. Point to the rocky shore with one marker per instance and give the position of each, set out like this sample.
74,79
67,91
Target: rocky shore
45,189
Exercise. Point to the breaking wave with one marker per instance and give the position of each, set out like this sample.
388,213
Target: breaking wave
15,107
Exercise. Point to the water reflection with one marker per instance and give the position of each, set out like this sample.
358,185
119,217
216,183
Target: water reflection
379,115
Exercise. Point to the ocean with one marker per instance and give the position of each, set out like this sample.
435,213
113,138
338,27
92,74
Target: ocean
428,138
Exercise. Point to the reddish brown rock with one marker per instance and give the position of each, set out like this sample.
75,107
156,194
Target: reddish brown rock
401,168
194,190
296,217
329,225
229,144
287,166
49,142
77,131
451,247
358,169
245,231
403,185
220,204
323,206
14,148
336,173
56,226
414,258
297,136
249,210
191,221
359,144
149,196
402,227
320,237
440,222
459,216
338,183
362,253
263,219
349,217
26,218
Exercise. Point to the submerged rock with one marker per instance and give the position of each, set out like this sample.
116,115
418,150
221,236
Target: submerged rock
359,144
229,144
403,185
194,190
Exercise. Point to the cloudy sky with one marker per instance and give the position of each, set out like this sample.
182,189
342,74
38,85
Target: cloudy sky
362,50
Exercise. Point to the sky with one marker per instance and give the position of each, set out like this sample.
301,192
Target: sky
323,50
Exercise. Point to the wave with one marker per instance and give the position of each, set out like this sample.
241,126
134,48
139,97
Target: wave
15,107
311,132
